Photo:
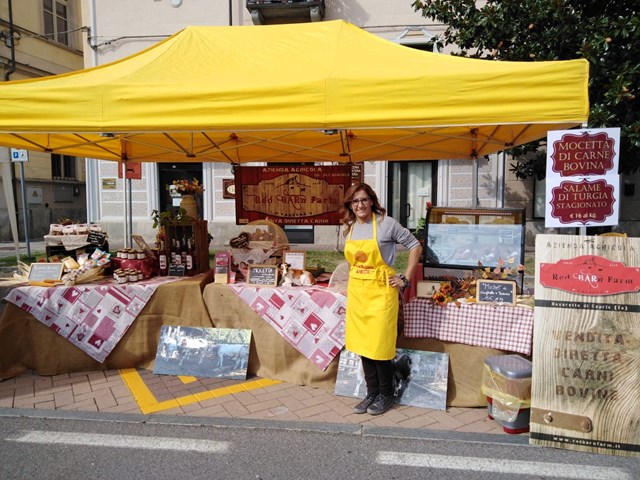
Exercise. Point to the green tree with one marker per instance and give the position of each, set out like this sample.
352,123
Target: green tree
606,34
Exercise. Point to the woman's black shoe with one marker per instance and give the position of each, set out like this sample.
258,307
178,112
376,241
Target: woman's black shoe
364,404
381,404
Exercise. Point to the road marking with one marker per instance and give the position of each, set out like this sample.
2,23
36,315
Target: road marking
120,441
148,403
537,469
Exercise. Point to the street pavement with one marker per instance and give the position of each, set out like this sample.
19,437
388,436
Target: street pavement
140,392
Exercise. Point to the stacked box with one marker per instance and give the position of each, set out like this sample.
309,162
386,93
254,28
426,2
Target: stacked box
198,232
507,384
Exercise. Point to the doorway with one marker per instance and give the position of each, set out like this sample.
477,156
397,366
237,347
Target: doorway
411,186
167,173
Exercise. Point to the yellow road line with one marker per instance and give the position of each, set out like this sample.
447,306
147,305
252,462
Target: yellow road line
148,403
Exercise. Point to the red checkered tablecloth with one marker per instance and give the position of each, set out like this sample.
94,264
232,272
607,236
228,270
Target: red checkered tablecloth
495,326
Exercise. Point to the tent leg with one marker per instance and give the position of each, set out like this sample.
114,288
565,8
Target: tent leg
474,192
127,243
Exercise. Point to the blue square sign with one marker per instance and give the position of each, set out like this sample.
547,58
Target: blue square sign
19,155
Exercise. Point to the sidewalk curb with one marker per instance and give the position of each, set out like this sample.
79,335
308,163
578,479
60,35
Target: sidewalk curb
311,427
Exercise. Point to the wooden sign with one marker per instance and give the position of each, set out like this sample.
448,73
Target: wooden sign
496,291
586,355
297,259
39,272
263,275
144,246
291,195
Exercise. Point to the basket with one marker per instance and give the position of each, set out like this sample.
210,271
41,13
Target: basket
267,243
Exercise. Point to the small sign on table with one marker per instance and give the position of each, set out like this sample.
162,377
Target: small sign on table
496,291
39,272
176,270
263,275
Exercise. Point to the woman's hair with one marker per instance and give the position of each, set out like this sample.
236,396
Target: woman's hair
346,212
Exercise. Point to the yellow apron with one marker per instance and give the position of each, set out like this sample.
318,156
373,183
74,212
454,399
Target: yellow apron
372,304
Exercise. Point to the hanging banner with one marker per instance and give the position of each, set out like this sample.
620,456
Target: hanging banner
291,195
585,393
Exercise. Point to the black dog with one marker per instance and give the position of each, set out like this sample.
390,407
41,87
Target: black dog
401,374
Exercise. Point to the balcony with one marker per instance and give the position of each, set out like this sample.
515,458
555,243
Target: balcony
266,12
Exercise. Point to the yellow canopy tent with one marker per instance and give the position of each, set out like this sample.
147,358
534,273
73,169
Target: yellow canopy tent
325,91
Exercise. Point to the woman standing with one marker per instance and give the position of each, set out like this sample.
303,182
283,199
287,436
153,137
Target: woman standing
372,294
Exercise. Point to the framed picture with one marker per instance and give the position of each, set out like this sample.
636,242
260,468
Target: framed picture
297,259
203,352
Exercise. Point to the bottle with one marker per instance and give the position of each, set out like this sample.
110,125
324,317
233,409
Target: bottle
162,260
172,253
177,258
183,251
189,258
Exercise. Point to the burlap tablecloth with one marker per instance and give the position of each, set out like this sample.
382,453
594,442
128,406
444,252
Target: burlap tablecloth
272,357
25,343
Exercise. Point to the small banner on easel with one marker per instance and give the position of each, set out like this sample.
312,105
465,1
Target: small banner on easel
292,195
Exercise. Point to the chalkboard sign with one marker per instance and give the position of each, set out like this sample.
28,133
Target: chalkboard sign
39,272
96,238
263,275
176,271
496,291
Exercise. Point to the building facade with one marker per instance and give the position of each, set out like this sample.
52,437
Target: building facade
39,38
115,29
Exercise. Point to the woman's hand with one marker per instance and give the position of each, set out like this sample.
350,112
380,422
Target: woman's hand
398,282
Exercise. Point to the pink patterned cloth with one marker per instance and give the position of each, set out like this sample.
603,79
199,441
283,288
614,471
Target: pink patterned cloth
311,319
500,327
94,316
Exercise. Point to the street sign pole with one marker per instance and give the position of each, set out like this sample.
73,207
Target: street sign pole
20,156
25,210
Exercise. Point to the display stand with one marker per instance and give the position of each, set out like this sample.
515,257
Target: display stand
198,232
52,251
458,240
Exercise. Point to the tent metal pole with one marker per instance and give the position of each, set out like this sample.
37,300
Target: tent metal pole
127,243
25,210
130,216
474,182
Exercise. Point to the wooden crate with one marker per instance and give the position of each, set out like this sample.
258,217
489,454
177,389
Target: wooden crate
199,234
